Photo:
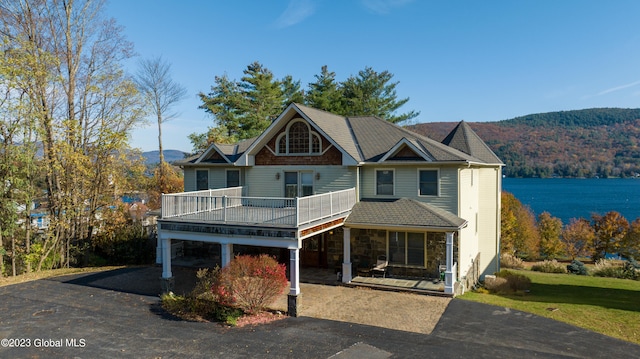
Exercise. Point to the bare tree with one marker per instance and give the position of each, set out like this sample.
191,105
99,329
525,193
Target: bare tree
161,94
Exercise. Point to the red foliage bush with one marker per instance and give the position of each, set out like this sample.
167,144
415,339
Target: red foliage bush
250,283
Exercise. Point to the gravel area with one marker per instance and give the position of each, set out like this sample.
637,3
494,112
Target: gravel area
393,310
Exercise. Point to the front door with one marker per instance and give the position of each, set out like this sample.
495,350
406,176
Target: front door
314,252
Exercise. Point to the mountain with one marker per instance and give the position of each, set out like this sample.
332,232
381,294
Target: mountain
599,142
153,157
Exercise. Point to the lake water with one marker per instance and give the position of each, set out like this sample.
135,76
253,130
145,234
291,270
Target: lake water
568,198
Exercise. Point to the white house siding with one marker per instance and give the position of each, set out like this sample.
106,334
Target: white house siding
406,185
261,181
469,210
189,179
489,230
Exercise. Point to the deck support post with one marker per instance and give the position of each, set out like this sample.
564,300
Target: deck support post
346,265
294,278
158,246
167,280
448,274
226,251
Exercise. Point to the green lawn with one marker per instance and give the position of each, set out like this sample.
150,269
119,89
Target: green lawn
605,305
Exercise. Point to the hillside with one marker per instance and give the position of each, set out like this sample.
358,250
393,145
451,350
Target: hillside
153,157
599,142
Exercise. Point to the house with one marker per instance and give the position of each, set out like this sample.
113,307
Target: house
341,192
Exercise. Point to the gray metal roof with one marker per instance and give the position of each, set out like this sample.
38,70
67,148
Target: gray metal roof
402,212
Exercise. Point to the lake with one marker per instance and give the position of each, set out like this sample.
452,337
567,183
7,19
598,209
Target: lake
568,198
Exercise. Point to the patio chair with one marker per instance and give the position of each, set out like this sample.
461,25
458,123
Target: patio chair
381,266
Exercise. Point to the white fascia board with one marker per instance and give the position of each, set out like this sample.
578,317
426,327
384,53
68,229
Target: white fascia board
275,125
405,142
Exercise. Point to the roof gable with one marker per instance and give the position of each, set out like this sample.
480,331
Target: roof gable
406,150
332,127
464,139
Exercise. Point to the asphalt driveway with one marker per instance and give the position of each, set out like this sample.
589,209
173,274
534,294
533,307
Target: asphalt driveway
111,315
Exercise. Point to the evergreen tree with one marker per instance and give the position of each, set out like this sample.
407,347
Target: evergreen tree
324,93
263,100
372,94
223,103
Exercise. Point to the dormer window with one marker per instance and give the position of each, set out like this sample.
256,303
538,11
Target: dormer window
299,139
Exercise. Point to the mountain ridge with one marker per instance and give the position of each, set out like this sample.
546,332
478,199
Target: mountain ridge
596,142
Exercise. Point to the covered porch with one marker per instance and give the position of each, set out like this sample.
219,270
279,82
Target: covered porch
404,243
226,217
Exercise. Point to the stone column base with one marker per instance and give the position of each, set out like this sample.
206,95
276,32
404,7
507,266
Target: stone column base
292,305
167,284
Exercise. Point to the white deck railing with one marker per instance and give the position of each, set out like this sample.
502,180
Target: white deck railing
185,203
320,206
229,206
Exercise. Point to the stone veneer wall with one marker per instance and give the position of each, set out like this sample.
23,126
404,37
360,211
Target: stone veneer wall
368,244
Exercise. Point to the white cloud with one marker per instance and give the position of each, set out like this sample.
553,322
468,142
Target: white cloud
296,11
618,88
384,6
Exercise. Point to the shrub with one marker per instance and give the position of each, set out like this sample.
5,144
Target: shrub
577,267
507,282
632,269
508,260
606,268
250,283
549,266
200,302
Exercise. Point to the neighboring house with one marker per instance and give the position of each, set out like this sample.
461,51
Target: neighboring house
339,192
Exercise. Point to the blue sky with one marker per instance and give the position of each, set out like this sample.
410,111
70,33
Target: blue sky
455,60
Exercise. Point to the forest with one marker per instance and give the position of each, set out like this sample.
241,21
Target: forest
598,142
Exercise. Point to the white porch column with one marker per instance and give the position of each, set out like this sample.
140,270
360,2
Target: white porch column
449,275
346,265
294,271
226,250
167,277
294,278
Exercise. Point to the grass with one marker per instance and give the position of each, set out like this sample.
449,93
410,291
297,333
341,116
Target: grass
605,305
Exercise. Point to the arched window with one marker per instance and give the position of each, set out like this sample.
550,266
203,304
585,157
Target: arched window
298,139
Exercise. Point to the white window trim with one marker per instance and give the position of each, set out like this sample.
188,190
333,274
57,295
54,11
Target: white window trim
285,134
375,181
437,183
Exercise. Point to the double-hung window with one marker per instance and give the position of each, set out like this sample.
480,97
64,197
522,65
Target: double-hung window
384,182
428,182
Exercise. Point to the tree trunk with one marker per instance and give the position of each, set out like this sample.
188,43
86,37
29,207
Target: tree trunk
13,255
161,173
1,256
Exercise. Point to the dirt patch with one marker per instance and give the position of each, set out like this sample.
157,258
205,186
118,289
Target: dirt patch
393,310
